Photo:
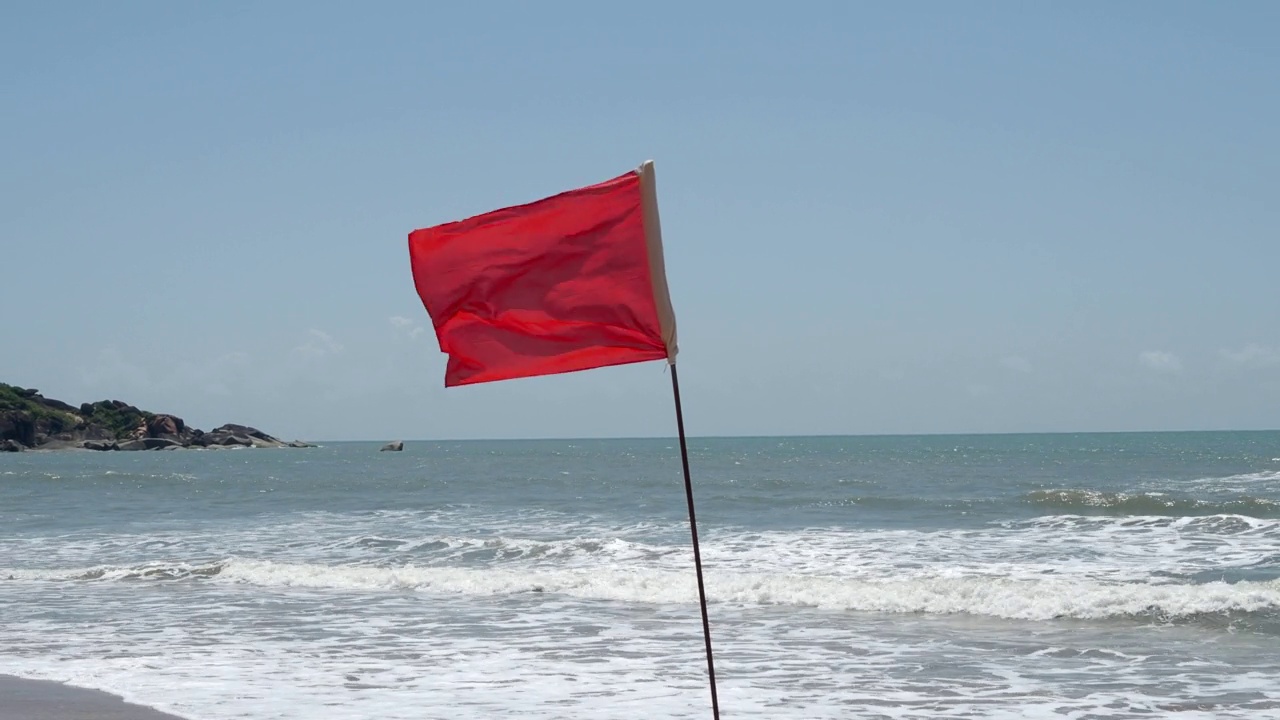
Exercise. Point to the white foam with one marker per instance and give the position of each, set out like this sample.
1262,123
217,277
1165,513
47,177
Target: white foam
1113,549
944,593
459,614
395,656
997,597
1234,483
1253,477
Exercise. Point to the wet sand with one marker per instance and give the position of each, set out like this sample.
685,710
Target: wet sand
43,700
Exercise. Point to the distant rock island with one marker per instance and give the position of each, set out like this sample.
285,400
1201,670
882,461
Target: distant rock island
29,420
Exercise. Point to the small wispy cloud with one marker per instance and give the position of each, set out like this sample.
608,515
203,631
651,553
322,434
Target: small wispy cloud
410,327
215,374
1160,361
232,359
977,389
112,369
115,372
319,344
1017,363
1251,356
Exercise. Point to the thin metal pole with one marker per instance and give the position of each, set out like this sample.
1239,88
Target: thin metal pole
697,554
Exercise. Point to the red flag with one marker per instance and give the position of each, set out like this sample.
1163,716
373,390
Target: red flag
571,282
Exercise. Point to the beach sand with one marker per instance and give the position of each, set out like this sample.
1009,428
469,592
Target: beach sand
43,700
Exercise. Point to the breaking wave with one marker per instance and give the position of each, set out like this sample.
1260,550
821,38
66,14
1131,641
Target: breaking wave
1022,599
1151,503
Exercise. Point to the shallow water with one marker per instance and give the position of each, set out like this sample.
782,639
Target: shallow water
1101,576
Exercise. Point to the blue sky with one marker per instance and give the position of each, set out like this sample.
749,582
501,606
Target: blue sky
879,218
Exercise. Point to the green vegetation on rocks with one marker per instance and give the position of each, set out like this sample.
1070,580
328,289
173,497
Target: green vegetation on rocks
117,418
17,399
30,420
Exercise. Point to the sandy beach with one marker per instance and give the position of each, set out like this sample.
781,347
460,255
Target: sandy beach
43,700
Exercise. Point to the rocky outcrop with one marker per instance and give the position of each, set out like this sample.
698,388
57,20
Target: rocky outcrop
165,425
29,420
18,427
396,446
232,435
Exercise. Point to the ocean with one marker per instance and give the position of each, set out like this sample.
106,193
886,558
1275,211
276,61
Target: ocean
998,576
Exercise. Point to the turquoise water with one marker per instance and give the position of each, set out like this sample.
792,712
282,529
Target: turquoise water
1103,576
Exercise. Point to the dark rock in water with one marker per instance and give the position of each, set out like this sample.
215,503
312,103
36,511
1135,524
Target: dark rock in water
18,426
231,434
233,429
397,446
299,444
30,420
162,425
10,445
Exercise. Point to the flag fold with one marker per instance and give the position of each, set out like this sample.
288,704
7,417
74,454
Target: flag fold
571,282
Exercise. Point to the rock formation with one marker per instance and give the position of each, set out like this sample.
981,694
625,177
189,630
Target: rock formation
29,420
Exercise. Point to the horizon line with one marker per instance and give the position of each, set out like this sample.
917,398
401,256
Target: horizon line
811,435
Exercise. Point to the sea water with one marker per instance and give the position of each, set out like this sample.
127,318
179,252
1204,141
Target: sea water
1006,576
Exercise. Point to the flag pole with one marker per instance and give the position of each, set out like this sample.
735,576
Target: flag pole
697,554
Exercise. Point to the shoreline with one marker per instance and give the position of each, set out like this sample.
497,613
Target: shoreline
25,699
